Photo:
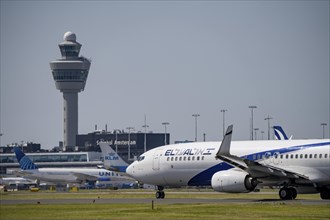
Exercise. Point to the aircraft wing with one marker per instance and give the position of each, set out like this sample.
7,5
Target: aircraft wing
84,177
255,169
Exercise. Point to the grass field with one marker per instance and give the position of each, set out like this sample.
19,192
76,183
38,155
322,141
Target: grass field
260,210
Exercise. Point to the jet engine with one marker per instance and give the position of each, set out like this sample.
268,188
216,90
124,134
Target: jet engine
233,181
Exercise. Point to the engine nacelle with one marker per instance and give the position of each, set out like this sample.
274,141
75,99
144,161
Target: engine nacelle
233,181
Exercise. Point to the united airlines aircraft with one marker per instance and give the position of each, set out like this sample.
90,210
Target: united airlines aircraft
68,175
295,166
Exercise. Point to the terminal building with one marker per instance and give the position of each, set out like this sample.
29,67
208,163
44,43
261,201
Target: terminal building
128,145
9,163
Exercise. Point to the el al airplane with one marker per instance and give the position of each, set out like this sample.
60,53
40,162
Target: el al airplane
297,166
67,175
280,134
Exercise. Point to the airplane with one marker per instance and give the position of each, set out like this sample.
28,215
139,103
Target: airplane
67,175
15,180
112,161
280,134
296,166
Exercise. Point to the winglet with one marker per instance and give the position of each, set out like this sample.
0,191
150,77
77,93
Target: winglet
280,134
225,144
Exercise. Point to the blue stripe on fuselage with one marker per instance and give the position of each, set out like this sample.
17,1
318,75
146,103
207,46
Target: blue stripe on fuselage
204,177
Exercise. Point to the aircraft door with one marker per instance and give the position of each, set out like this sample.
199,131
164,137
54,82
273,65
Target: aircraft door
276,158
156,160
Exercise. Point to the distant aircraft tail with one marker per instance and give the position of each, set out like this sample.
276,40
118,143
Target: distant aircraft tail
280,134
23,160
112,161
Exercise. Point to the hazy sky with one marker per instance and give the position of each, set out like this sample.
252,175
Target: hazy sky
168,60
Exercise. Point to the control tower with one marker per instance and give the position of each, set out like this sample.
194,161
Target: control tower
70,75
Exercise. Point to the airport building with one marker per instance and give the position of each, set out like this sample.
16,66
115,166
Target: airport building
8,161
128,145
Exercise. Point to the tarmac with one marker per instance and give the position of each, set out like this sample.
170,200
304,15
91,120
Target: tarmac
162,201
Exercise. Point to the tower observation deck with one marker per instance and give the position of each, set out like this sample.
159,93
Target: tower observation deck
70,75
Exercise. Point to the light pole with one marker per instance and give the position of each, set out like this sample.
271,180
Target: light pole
223,121
129,141
145,126
116,130
255,133
252,107
323,125
195,115
0,138
268,118
165,123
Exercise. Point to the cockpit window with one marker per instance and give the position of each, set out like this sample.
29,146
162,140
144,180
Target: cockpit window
140,158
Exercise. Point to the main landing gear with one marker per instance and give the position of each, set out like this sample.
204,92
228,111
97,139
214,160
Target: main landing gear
324,193
160,194
286,193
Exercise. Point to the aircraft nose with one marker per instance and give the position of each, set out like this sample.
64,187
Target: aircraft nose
130,170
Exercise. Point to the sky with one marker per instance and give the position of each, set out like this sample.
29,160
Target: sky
168,60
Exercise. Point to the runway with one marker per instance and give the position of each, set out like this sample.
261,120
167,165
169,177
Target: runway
161,201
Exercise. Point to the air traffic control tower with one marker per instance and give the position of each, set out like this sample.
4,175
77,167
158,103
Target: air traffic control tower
70,75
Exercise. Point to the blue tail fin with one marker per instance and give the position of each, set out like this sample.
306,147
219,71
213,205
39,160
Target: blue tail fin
112,161
24,162
279,133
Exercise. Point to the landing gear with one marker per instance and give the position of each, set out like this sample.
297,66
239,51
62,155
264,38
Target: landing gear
160,194
288,193
325,194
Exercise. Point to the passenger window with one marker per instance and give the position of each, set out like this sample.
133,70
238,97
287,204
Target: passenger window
198,158
176,159
325,155
202,157
301,156
315,155
281,156
184,158
286,156
306,156
254,156
168,159
311,156
320,156
296,156
189,158
193,158
291,156
171,158
180,158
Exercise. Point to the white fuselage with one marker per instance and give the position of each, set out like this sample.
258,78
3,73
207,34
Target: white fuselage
194,164
75,175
